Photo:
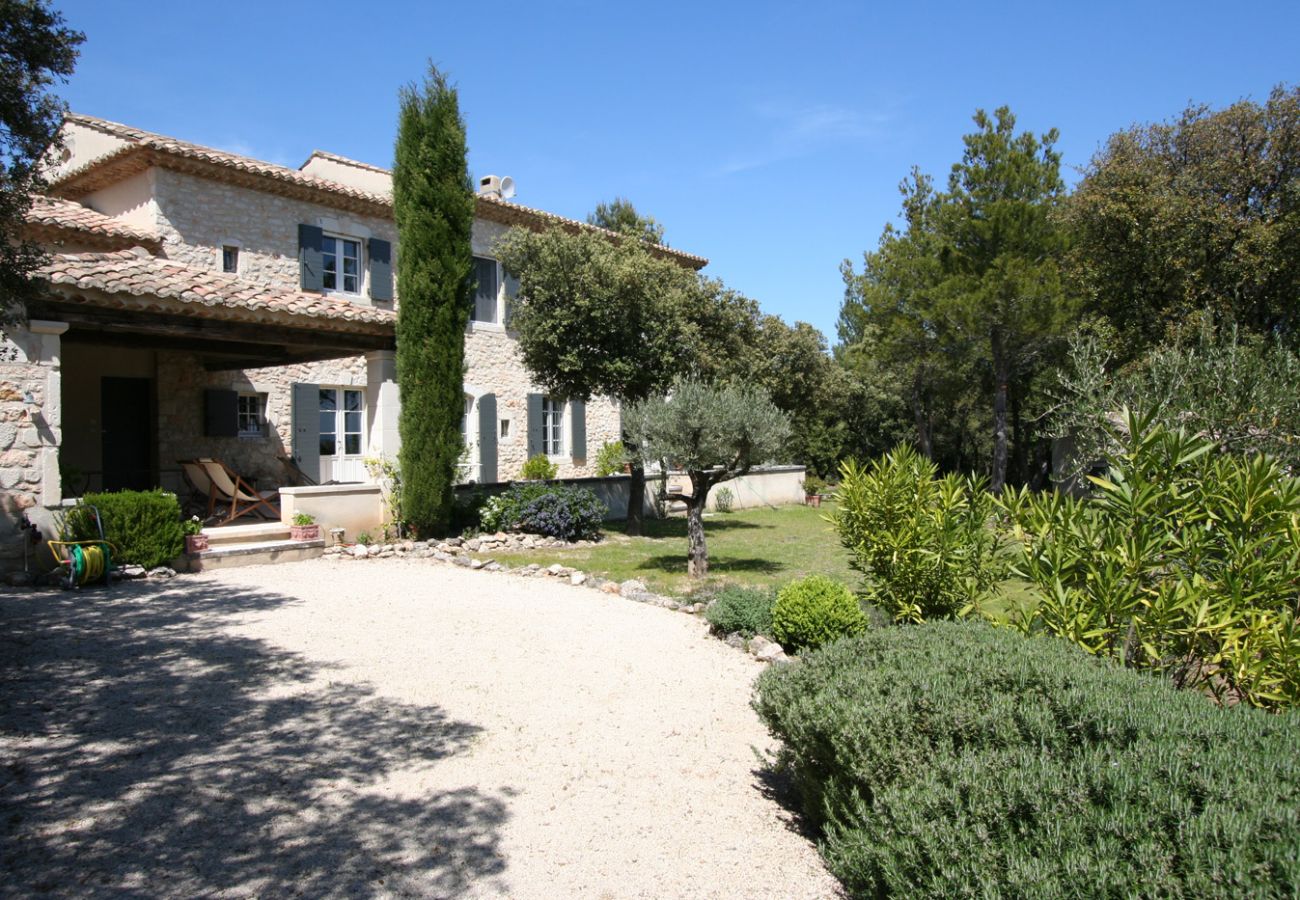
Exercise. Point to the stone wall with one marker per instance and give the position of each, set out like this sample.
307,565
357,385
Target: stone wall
30,427
493,366
197,216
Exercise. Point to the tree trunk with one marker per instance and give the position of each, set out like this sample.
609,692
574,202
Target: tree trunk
697,554
921,414
1019,465
1001,382
635,499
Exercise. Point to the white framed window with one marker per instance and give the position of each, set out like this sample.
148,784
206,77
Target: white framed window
341,264
230,258
342,418
552,427
467,465
486,290
251,415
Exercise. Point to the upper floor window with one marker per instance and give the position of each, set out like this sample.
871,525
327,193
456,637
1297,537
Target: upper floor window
485,292
230,258
552,427
341,264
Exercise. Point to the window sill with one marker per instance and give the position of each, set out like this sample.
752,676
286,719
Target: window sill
494,327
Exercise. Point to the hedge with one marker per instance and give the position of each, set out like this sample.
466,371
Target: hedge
955,759
144,527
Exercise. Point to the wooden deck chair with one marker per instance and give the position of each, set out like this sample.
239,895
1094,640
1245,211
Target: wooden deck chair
233,497
201,487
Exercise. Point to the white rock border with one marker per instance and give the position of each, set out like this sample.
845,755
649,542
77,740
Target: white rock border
456,551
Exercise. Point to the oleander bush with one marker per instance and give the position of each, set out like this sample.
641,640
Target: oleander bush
924,544
956,759
144,527
539,468
747,610
815,611
1184,559
554,510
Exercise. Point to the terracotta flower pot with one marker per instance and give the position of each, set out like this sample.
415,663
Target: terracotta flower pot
304,532
196,543
813,499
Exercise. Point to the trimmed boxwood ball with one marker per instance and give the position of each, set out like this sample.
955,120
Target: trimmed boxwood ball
815,611
955,759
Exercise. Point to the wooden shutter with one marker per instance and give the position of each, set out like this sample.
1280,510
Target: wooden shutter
487,439
220,413
381,269
578,426
534,425
306,429
311,259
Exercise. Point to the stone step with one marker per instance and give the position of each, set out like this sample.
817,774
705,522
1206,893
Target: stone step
255,553
259,532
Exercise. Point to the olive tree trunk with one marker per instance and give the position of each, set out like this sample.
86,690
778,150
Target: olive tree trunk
697,552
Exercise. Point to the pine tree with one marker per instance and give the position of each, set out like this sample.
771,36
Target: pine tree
433,203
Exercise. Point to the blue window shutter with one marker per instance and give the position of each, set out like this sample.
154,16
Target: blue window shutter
381,269
220,413
487,439
578,423
534,424
305,413
311,261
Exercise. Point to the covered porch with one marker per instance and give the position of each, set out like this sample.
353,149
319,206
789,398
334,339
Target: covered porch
149,362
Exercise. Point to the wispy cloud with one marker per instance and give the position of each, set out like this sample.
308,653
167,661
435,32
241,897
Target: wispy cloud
245,148
795,131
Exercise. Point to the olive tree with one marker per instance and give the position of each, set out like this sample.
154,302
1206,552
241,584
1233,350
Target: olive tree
713,434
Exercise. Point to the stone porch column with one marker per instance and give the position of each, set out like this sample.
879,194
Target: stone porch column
382,404
31,429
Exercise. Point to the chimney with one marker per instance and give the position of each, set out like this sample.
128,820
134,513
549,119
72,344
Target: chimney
489,186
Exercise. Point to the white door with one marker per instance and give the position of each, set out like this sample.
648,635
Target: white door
342,434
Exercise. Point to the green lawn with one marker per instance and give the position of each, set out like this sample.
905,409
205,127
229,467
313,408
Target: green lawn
767,546
752,546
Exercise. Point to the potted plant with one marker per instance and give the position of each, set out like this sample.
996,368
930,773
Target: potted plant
812,490
195,540
304,528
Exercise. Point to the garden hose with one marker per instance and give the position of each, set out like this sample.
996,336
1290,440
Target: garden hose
86,561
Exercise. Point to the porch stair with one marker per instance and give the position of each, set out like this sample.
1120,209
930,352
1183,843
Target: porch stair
252,545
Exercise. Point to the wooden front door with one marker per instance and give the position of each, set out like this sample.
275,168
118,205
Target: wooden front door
126,420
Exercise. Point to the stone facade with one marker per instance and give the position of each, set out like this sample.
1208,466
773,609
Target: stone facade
31,424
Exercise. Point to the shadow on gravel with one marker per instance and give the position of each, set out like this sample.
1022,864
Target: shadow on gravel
145,752
778,785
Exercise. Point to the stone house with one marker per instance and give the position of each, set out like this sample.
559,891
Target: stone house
203,303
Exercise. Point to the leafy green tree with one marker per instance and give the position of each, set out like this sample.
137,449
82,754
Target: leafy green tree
1234,389
972,282
1201,213
713,434
36,50
621,216
433,203
597,317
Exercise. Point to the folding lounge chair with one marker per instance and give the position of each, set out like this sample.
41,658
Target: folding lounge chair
201,489
233,497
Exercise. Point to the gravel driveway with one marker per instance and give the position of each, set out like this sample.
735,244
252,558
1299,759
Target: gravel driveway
390,728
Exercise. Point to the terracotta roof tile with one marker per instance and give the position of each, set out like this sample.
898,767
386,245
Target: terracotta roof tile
137,274
83,179
55,214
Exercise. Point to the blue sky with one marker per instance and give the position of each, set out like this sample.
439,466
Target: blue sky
768,137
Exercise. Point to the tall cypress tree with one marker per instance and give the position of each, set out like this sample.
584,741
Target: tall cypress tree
433,203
